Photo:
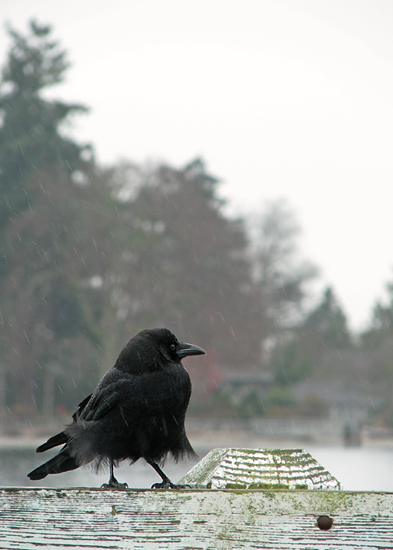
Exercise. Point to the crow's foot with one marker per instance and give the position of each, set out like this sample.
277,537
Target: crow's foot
114,484
167,484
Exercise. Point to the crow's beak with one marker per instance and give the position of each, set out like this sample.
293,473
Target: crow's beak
183,350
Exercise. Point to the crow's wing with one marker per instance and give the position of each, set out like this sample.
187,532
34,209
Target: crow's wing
101,402
81,406
143,395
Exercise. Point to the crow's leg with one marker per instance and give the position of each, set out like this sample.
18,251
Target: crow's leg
113,483
166,482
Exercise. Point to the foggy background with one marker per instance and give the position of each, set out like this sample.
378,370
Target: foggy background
219,168
282,99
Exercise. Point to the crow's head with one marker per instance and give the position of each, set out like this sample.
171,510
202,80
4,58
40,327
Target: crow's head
170,347
151,349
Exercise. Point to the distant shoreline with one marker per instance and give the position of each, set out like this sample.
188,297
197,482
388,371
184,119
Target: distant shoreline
209,439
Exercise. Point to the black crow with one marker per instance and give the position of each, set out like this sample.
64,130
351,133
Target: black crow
137,411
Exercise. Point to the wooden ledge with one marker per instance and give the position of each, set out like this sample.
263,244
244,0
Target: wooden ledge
202,518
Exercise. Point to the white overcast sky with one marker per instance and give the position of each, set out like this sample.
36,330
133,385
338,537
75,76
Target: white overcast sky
282,98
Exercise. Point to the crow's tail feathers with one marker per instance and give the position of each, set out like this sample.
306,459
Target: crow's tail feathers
62,462
58,439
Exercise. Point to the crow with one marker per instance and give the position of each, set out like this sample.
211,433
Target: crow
137,411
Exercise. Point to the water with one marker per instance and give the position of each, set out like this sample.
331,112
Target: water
367,468
358,468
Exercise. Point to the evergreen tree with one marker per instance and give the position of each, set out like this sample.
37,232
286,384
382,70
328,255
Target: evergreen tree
381,328
30,136
45,192
303,352
377,348
327,324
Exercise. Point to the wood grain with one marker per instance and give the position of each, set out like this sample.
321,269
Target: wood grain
191,519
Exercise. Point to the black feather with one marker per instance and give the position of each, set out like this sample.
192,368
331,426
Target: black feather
58,439
62,462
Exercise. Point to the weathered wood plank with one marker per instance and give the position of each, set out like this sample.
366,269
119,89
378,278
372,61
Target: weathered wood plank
191,519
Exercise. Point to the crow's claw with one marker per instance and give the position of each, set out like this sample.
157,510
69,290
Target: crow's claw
114,484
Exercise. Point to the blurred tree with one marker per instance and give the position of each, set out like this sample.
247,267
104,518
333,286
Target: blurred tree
382,321
327,324
302,353
46,237
184,265
377,347
279,272
30,137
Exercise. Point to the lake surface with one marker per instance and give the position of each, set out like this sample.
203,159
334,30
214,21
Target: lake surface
367,468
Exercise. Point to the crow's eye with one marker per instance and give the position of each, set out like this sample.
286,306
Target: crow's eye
173,347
